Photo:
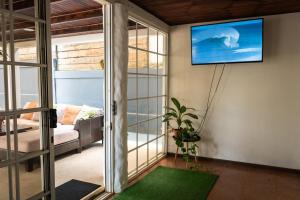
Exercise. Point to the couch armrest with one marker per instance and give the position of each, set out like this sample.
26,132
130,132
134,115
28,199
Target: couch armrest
96,122
82,124
90,130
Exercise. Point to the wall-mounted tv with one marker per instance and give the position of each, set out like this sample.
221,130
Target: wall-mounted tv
230,42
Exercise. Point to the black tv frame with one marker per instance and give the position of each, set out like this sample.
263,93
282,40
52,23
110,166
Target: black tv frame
258,61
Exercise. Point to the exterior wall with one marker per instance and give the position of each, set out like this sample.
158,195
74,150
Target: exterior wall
28,85
79,57
79,88
255,114
84,56
78,68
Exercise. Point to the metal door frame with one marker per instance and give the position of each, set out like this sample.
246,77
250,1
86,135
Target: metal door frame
41,19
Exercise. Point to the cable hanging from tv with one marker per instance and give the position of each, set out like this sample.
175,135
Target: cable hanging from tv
211,95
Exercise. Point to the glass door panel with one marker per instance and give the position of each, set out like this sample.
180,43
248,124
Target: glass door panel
25,40
25,145
2,89
142,156
4,183
28,9
147,80
132,162
30,182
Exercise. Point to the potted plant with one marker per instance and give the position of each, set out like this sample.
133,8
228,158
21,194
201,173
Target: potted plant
179,120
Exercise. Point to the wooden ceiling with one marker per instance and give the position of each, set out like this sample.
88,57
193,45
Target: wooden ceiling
68,17
73,17
176,12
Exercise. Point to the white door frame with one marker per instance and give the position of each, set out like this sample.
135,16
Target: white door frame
108,118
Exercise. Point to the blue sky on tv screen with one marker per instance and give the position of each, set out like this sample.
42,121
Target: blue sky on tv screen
227,42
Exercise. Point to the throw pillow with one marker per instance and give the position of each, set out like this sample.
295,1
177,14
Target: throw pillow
29,105
60,108
36,116
70,114
87,111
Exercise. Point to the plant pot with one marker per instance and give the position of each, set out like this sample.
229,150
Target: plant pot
192,138
175,133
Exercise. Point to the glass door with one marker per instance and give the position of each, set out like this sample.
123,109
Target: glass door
147,95
26,149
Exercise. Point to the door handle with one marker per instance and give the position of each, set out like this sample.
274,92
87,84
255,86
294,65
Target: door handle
53,118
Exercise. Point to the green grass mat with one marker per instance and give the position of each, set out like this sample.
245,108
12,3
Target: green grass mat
169,183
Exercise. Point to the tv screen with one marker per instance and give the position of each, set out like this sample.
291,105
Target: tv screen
230,42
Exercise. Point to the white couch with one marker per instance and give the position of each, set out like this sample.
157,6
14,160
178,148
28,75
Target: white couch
29,140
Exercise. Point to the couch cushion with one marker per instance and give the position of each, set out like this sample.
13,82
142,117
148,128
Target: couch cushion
27,141
22,123
30,141
64,133
70,114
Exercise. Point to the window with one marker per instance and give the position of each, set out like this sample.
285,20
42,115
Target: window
147,81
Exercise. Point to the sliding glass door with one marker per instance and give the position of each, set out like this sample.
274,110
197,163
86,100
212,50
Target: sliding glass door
25,136
147,95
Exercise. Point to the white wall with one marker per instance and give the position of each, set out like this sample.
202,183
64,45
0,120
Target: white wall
255,117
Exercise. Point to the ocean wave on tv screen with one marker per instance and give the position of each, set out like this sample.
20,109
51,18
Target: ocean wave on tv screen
219,44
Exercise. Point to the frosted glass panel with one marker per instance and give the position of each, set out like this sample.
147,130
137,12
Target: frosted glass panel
147,69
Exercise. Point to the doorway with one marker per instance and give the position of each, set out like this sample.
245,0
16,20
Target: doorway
79,91
28,145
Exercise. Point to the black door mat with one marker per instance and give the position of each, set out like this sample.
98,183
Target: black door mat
74,190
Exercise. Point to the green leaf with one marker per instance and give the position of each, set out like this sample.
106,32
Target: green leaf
179,143
176,103
182,109
172,109
165,119
171,114
192,115
179,122
187,121
174,114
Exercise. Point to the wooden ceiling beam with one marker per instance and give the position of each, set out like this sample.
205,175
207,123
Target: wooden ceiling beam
78,29
66,18
76,16
92,28
20,5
